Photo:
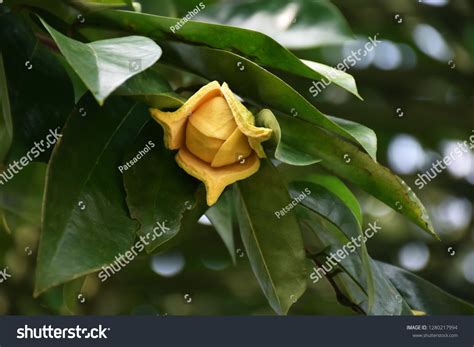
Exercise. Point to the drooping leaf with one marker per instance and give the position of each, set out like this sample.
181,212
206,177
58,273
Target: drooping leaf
104,65
220,215
284,152
333,75
348,277
87,227
298,24
274,246
322,201
423,296
349,162
159,193
253,45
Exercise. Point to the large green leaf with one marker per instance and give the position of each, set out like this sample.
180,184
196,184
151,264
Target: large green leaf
274,246
85,217
159,192
349,162
424,296
349,276
251,44
105,65
40,91
6,127
220,215
296,24
322,201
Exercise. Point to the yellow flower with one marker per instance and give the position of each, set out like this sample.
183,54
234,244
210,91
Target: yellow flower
216,136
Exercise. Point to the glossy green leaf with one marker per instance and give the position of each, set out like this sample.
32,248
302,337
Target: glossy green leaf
85,218
333,75
296,24
322,201
253,45
159,193
104,65
349,275
366,136
423,296
220,215
251,81
6,126
274,246
338,188
349,162
284,152
152,89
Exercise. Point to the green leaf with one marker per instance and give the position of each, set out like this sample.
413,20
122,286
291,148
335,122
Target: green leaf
71,292
159,192
152,89
251,81
6,127
338,77
284,152
22,195
320,200
220,215
365,136
253,45
274,246
423,296
40,91
349,162
104,65
85,217
338,188
349,277
299,24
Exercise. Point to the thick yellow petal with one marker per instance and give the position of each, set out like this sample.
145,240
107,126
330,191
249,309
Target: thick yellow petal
202,146
216,179
246,122
235,148
214,119
418,313
174,123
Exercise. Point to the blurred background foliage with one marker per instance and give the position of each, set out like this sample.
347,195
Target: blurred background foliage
418,97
